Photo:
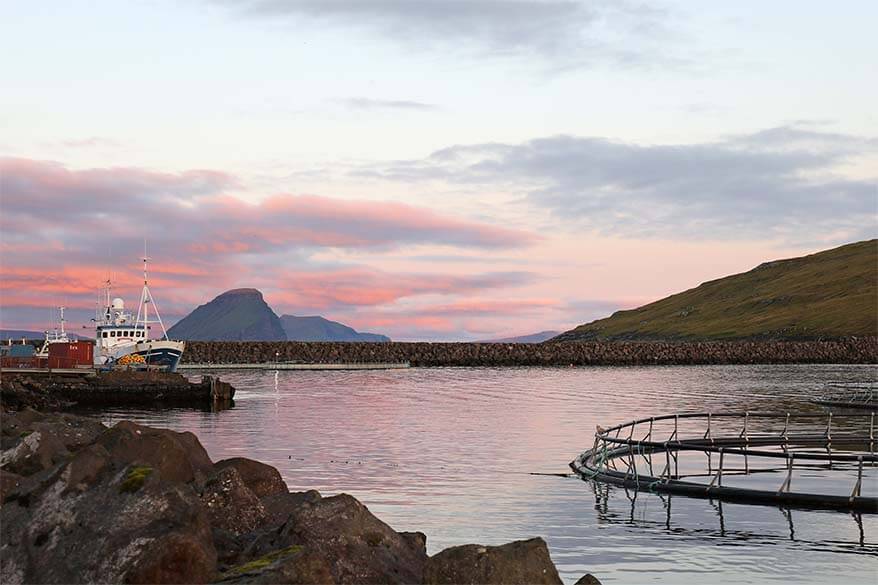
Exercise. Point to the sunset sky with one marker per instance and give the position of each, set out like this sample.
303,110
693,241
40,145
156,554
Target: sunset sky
428,170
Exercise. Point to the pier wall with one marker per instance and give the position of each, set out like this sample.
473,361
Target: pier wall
848,351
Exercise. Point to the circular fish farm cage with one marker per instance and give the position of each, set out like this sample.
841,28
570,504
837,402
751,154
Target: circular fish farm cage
801,460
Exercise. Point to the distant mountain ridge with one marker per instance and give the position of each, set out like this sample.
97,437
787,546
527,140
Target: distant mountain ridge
243,315
240,314
531,338
17,334
316,328
830,294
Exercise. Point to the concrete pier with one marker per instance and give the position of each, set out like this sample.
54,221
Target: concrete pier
280,366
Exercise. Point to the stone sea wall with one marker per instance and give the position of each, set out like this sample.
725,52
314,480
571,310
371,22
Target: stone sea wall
847,351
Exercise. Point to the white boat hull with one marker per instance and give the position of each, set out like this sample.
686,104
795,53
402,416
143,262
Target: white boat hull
154,352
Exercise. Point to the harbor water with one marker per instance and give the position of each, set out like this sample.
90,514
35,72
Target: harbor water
481,455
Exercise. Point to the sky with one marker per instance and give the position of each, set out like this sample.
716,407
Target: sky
430,170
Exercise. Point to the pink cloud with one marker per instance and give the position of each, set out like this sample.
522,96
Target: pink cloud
361,286
63,228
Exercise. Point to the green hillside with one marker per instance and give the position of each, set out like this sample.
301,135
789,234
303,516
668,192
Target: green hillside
829,294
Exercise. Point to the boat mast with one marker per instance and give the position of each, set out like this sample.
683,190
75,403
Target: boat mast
145,299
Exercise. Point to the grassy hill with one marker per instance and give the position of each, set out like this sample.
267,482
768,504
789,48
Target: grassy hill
833,293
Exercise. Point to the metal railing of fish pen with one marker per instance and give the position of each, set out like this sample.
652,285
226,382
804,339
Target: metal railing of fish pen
785,442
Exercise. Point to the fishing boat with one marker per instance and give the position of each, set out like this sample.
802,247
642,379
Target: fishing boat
122,339
55,336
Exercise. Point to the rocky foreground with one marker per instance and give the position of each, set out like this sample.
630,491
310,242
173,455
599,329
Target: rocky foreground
83,503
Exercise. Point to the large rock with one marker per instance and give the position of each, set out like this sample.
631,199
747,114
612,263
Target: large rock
230,504
279,506
130,525
521,562
179,457
294,565
263,480
357,546
33,441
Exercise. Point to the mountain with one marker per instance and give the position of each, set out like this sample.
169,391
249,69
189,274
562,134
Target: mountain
319,329
236,315
17,334
532,338
831,294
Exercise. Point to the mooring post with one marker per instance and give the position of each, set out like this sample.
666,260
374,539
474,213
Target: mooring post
785,486
858,486
718,478
667,464
872,432
744,430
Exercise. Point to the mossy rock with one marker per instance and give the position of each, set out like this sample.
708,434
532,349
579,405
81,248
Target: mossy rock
135,479
261,562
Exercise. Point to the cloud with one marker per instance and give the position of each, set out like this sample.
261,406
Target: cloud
359,103
779,183
63,231
366,287
472,317
91,142
195,212
560,33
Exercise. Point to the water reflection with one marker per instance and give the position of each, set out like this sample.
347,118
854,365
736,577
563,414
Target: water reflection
610,503
461,453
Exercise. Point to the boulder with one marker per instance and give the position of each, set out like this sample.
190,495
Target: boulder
33,441
230,504
178,457
588,579
35,452
129,526
293,565
263,480
357,546
279,506
521,562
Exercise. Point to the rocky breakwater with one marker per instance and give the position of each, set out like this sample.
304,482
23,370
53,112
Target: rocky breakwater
845,351
82,503
52,391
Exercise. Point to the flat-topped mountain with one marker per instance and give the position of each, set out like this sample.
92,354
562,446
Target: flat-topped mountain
829,294
236,315
316,328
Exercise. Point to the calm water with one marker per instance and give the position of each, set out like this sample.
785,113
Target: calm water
452,453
